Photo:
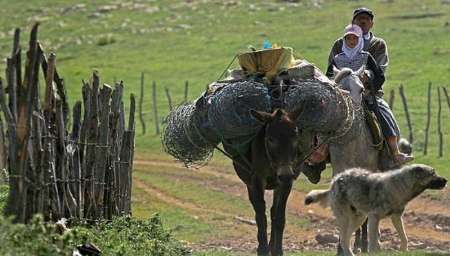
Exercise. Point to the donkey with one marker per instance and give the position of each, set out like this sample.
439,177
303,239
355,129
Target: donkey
267,166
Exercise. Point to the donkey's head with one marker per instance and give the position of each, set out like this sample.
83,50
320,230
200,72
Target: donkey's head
280,140
350,80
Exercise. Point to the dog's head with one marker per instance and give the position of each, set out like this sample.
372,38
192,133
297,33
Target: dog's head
426,176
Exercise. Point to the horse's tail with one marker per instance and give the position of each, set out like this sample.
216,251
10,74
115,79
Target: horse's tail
318,196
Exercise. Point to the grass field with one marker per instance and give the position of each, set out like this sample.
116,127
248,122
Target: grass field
173,41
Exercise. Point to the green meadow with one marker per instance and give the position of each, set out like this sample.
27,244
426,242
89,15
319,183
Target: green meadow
176,41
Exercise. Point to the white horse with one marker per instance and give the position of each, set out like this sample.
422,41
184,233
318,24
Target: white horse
349,80
355,147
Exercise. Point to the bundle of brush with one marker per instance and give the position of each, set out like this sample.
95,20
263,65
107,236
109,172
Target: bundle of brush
229,108
325,108
188,136
221,114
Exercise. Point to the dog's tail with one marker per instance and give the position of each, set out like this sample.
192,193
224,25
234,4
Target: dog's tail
318,196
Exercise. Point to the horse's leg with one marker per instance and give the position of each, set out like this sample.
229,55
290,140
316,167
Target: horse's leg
256,196
278,217
364,240
358,243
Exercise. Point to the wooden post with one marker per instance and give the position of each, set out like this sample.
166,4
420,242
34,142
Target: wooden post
74,158
155,107
12,206
3,157
169,98
102,150
427,128
440,135
67,199
25,106
186,90
141,102
446,96
92,134
391,98
116,142
408,119
131,129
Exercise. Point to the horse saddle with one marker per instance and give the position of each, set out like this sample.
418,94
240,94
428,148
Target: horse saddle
374,127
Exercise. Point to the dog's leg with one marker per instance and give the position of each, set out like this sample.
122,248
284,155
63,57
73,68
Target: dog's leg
398,224
374,243
256,196
349,222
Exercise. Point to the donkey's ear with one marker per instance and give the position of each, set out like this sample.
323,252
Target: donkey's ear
261,115
335,71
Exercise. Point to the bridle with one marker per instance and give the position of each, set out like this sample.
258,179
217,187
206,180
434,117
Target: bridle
266,142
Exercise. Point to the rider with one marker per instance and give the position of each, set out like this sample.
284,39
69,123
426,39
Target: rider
353,56
373,48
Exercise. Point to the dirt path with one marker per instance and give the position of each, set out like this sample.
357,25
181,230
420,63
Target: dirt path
427,221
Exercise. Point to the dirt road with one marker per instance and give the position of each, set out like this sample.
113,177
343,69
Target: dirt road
427,219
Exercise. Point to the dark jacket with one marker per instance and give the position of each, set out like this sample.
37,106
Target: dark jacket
378,75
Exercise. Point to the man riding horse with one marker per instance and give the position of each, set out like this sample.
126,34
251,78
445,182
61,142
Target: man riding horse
376,64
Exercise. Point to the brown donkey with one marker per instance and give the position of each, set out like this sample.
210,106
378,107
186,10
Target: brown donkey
268,165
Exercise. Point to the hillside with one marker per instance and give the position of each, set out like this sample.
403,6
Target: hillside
174,41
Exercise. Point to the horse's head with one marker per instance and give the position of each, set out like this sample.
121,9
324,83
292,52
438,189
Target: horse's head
350,80
280,141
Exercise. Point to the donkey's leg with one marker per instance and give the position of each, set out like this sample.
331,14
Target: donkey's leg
278,217
256,196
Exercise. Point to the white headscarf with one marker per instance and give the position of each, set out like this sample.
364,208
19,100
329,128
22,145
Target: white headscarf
351,52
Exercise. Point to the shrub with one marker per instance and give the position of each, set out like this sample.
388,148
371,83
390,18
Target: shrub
121,236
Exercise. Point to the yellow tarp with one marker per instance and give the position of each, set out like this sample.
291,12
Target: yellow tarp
267,62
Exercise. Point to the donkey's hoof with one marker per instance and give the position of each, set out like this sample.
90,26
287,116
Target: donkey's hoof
263,251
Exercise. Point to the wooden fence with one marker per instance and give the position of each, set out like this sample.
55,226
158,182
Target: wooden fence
82,173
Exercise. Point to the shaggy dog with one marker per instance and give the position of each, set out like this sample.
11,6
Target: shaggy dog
357,194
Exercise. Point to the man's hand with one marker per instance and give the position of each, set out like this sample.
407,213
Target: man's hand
365,78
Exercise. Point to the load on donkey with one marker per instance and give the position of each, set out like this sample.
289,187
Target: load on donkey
266,116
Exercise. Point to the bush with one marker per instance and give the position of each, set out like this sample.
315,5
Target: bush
122,236
4,189
129,236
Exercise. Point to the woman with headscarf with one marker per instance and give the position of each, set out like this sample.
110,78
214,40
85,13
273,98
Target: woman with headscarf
354,57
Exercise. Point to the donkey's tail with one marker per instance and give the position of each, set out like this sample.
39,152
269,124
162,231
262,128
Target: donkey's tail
318,196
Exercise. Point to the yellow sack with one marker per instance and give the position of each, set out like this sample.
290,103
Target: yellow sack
267,62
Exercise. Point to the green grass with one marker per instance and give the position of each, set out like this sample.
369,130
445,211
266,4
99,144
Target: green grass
195,42
184,225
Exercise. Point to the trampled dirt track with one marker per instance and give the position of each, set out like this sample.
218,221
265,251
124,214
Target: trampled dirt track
427,220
